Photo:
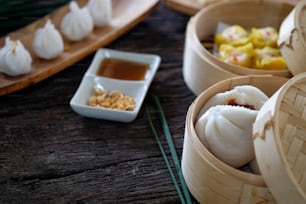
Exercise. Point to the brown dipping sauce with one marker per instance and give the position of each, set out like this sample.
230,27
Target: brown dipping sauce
122,69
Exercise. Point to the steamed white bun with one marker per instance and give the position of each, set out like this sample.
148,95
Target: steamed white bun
227,132
245,95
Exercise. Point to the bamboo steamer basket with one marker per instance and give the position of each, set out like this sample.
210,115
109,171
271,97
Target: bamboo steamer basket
292,40
201,68
209,179
280,141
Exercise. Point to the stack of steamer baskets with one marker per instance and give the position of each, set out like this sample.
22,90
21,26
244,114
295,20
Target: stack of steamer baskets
279,132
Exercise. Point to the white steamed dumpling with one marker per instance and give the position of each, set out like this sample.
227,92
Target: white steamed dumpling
15,60
48,42
78,23
227,132
245,95
101,11
225,123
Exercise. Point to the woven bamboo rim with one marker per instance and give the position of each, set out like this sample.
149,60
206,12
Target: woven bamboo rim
280,131
208,178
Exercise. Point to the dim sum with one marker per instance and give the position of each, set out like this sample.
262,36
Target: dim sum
263,37
241,56
15,59
100,11
77,24
48,42
234,35
269,58
224,124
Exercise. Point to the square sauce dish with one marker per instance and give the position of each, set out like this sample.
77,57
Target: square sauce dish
115,85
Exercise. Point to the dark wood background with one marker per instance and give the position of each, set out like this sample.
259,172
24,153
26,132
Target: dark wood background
50,154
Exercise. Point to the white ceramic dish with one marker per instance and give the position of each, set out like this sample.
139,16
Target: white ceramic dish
136,89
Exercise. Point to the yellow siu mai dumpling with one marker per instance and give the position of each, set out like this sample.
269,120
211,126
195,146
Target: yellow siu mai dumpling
262,37
234,35
269,58
241,56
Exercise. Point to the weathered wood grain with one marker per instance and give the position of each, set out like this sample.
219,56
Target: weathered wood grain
49,154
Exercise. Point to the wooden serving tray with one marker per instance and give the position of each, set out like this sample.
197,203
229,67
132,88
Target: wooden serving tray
126,15
188,7
191,7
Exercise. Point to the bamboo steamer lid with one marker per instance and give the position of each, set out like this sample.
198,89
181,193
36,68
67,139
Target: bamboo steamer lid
209,179
280,141
292,40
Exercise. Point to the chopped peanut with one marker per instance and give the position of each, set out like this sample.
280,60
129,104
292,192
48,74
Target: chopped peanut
113,100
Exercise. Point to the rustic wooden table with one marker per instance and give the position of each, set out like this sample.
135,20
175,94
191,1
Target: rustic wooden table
50,154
